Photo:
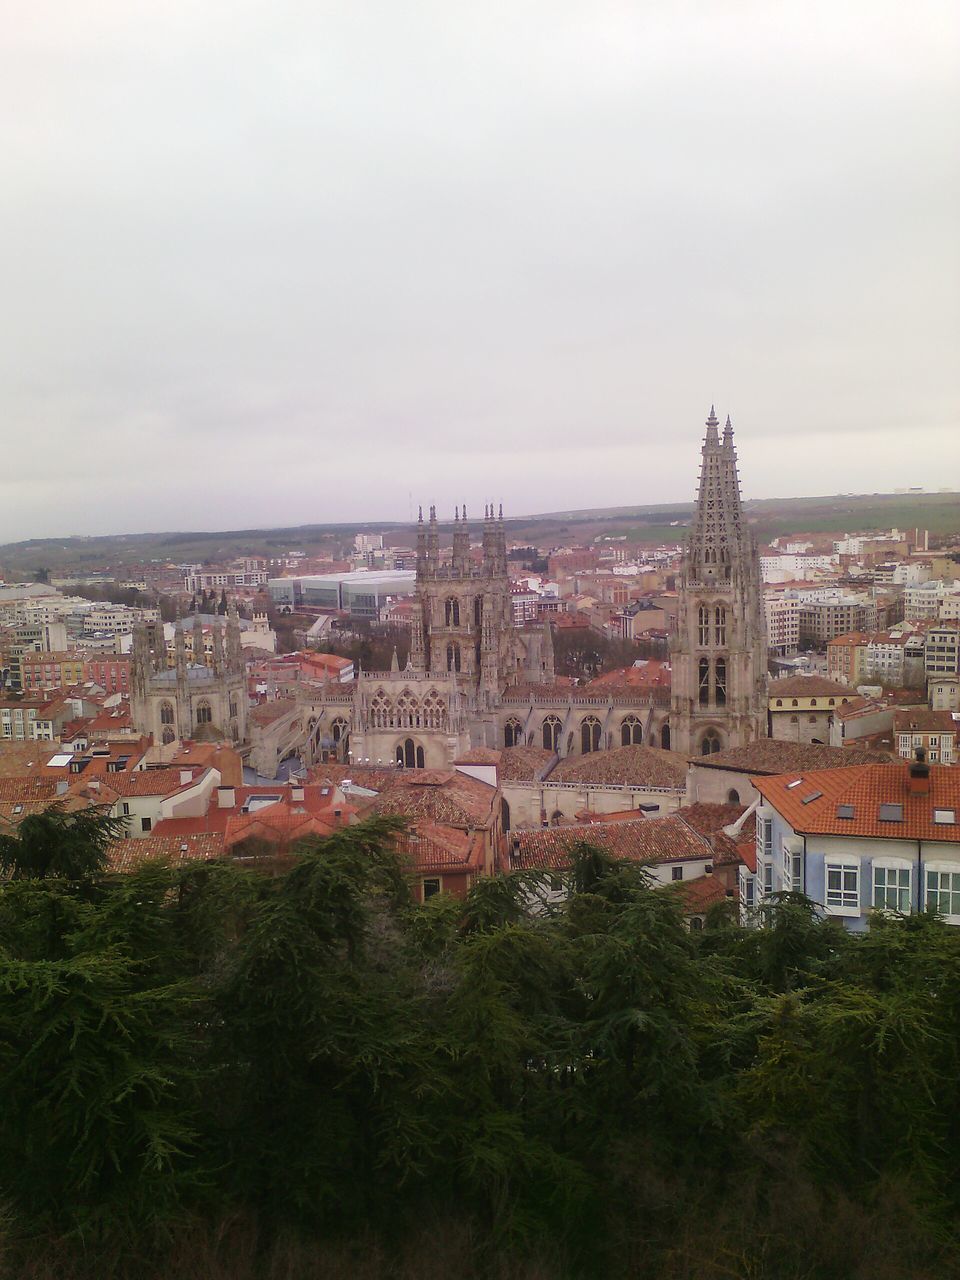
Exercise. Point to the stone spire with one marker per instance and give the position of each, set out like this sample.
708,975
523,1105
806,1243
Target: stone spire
461,543
421,546
433,542
717,540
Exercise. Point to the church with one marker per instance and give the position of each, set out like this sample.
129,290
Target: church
473,680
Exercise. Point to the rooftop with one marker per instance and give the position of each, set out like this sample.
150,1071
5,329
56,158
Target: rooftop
874,801
768,756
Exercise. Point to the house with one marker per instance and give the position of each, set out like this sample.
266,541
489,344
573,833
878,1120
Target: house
727,777
934,731
801,708
862,839
697,850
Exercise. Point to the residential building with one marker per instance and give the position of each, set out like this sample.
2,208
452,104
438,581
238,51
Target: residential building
782,614
934,732
801,708
861,840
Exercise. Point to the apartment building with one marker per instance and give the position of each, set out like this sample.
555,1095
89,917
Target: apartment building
933,732
783,624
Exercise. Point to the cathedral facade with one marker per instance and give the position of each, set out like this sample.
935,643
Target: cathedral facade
474,680
189,699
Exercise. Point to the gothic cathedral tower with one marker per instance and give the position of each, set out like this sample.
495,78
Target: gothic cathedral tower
719,652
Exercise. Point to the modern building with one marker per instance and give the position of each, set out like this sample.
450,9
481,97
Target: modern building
862,840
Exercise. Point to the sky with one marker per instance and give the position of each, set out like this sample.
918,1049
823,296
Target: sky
291,262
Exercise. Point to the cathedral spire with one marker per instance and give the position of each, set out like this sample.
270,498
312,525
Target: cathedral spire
712,423
728,434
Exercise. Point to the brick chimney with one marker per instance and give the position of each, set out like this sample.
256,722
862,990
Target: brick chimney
918,774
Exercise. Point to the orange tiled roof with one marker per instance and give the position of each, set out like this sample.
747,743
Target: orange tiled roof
625,766
768,755
668,839
523,764
128,855
813,805
808,687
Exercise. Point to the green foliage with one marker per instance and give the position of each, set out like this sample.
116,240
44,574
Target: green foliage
584,1082
54,843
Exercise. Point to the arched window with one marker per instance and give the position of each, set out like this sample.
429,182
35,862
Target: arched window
813,702
233,708
733,796
381,711
408,711
551,733
779,702
434,712
794,703
167,715
703,625
168,735
452,612
631,732
665,737
709,743
720,625
513,734
338,728
477,610
453,657
204,713
696,923
590,734
704,681
409,754
720,682
831,702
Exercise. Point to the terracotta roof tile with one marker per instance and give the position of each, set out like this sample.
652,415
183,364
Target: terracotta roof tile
808,687
625,766
523,764
768,756
128,855
814,805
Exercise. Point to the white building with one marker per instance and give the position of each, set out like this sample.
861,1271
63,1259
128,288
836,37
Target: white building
783,623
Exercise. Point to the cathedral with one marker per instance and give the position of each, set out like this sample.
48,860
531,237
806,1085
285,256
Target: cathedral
189,699
474,680
719,651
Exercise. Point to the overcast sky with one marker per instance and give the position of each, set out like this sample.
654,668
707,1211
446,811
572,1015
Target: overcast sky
291,262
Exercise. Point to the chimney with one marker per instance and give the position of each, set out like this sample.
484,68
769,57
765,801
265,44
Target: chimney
186,776
296,793
62,785
918,774
226,797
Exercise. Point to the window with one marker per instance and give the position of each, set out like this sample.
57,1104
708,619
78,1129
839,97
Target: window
943,892
631,732
890,813
204,713
720,625
720,682
453,657
704,682
703,620
733,796
452,613
513,734
710,742
749,890
551,733
944,816
590,735
891,888
431,887
166,713
676,873
145,824
125,809
843,888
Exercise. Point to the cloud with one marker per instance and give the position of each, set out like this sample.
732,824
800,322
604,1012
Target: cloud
270,263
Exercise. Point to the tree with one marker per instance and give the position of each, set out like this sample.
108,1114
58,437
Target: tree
60,844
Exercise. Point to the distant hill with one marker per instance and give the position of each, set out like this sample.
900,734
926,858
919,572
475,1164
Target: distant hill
653,522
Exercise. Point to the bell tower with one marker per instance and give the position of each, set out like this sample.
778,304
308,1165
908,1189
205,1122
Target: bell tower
719,651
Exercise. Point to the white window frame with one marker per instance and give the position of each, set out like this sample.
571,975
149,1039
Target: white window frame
941,868
900,865
841,907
